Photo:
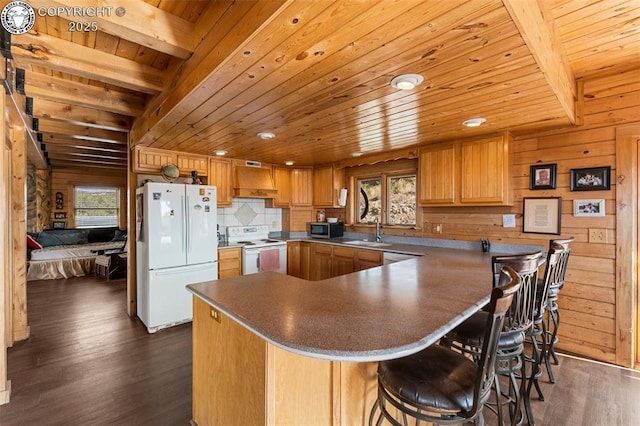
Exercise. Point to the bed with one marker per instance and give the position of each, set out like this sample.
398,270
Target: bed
67,253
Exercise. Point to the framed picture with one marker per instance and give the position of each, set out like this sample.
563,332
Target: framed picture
588,208
59,225
591,179
60,215
542,215
542,176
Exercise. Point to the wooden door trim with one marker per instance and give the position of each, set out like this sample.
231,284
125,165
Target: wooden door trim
627,141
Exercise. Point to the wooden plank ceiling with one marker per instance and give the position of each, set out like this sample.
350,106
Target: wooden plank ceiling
201,76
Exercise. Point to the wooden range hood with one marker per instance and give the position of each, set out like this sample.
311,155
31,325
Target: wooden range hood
251,180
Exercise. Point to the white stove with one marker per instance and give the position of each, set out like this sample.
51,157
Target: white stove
259,252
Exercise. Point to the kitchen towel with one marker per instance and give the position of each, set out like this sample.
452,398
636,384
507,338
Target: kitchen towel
269,260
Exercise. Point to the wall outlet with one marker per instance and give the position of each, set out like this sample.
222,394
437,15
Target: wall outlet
436,228
597,235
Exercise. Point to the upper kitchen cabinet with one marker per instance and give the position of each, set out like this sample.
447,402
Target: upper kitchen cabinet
301,187
470,173
220,176
282,181
327,182
188,163
150,160
486,178
438,175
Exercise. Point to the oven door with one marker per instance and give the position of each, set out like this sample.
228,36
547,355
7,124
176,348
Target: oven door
265,258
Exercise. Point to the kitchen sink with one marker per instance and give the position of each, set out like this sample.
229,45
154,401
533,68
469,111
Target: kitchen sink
367,243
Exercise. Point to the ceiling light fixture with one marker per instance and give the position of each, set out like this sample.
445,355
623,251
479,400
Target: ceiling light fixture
221,152
474,122
406,81
356,154
289,162
266,135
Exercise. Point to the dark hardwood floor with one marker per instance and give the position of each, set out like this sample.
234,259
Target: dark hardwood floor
87,363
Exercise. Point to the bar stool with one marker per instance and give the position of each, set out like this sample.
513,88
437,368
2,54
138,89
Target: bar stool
468,336
440,385
551,322
537,333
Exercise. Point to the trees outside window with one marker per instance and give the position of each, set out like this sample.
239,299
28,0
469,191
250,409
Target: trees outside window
96,207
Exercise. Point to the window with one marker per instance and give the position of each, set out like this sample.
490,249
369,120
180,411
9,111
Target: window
388,198
96,207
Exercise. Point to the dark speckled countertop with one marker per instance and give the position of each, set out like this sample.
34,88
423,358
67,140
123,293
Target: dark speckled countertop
372,315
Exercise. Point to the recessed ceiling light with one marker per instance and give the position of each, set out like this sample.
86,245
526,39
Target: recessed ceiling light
289,163
266,135
474,122
221,152
356,154
406,81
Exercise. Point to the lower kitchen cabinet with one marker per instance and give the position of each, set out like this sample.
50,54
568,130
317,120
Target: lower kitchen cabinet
365,259
343,260
324,261
229,262
293,259
321,262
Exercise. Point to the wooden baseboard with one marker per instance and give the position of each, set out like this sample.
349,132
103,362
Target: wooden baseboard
5,394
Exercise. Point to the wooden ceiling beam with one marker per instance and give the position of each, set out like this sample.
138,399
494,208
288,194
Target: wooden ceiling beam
79,115
42,86
48,139
87,158
81,132
63,149
198,74
141,23
65,56
537,29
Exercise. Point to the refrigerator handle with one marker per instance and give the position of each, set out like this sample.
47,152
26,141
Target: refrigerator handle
187,212
186,226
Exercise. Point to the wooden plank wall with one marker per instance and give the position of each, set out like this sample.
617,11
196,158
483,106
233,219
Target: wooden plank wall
6,330
588,301
64,181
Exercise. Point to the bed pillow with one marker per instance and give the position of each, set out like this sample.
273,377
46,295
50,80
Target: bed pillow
63,237
32,243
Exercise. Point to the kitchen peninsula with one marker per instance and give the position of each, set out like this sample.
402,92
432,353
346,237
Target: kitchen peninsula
274,349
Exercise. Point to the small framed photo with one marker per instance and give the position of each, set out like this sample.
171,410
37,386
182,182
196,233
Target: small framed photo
60,215
542,176
542,215
591,179
59,225
588,208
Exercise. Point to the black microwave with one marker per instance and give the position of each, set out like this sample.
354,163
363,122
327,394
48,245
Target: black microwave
326,229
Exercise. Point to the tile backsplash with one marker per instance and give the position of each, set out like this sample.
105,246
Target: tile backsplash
249,211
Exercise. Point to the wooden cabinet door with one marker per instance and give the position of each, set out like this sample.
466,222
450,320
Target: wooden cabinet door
151,160
302,187
321,261
282,180
327,182
342,260
220,176
365,259
305,263
293,259
485,171
437,171
229,262
187,163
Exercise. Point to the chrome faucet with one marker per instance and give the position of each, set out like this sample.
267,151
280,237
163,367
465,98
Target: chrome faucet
378,236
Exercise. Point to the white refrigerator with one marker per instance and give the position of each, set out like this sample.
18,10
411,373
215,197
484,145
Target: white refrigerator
177,244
